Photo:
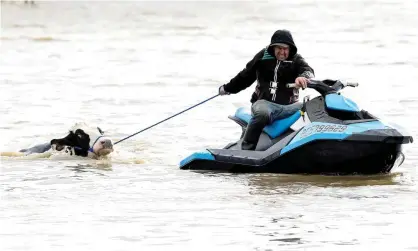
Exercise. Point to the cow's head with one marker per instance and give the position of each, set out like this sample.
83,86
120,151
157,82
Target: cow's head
84,141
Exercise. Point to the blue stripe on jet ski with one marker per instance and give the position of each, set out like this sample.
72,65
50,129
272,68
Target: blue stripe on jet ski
326,131
204,155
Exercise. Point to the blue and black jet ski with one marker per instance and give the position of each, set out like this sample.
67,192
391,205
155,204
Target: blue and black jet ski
329,135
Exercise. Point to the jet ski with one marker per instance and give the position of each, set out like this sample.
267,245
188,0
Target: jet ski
329,135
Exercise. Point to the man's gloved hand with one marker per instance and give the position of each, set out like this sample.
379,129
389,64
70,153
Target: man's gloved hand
222,91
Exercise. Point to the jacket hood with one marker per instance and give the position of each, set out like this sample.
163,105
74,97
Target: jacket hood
285,37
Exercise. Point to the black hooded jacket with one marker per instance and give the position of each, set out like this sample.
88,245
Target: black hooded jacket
265,68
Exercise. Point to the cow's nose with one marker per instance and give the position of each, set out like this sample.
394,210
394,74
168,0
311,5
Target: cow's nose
107,143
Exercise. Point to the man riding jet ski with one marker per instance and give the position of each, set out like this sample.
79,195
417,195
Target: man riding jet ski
281,134
328,135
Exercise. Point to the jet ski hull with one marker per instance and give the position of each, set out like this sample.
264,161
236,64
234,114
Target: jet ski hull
369,147
318,157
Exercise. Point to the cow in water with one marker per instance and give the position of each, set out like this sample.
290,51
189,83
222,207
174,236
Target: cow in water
80,141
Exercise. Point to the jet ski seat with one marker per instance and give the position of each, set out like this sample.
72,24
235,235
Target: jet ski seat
274,129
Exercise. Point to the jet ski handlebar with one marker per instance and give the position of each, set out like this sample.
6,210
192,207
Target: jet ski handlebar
334,84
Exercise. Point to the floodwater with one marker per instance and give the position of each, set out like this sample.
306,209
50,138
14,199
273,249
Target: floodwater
126,65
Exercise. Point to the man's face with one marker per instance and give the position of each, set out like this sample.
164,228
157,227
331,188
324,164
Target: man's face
281,52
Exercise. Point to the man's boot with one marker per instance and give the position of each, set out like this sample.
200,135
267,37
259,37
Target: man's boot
251,136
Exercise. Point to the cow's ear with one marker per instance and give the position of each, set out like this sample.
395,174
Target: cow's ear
100,130
70,134
80,133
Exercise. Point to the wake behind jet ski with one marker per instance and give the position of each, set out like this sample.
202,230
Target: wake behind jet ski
329,135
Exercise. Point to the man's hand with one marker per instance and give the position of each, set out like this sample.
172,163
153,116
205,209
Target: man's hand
222,91
301,82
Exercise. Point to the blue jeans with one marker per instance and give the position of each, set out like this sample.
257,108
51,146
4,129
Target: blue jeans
263,113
